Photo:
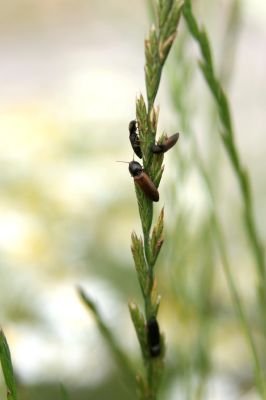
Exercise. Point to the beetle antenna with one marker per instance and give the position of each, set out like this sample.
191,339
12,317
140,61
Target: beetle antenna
126,162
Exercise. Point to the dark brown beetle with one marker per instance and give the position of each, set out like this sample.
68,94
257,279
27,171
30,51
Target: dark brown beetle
153,336
166,145
134,138
143,181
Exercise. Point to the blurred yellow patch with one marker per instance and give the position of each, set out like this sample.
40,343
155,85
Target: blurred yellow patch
28,132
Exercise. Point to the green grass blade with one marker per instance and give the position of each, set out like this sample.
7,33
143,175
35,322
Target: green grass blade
7,367
63,392
118,354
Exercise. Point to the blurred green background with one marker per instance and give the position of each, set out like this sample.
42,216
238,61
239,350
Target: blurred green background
70,72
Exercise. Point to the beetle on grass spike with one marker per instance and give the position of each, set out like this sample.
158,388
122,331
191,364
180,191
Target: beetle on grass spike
142,179
134,138
153,337
166,145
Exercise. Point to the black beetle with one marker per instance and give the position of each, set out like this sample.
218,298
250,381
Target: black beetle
134,138
143,180
166,145
153,336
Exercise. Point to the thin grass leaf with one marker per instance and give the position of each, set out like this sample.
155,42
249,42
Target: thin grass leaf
142,387
145,210
157,238
7,367
119,355
140,262
140,327
63,392
155,300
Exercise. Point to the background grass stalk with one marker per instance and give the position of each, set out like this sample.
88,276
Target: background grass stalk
227,135
236,300
258,371
180,79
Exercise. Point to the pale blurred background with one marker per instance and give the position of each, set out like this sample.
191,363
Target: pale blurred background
70,72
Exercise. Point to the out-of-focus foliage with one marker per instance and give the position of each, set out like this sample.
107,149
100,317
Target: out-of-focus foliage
69,76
